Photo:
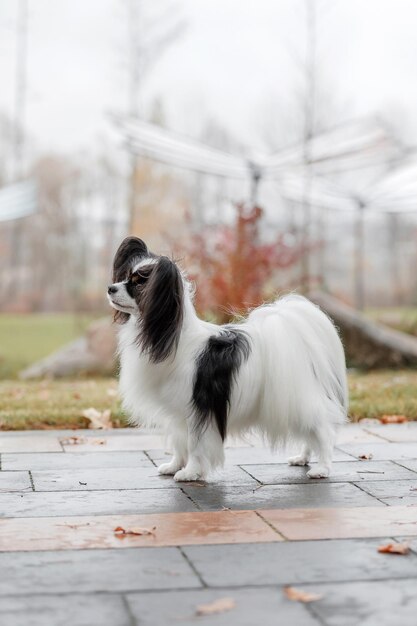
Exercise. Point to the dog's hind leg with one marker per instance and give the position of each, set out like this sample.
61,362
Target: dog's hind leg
205,452
301,459
322,440
179,443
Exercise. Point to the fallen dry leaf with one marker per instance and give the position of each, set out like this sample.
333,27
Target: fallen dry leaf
98,442
218,606
297,595
73,441
112,393
365,457
43,394
119,531
394,548
393,419
99,420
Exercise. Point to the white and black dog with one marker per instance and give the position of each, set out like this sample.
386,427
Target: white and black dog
281,372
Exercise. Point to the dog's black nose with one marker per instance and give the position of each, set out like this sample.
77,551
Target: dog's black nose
111,289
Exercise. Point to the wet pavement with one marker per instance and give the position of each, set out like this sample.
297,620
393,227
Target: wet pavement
235,542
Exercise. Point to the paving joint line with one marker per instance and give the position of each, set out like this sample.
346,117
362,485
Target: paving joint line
318,618
128,608
254,477
398,462
359,486
145,452
377,435
268,523
199,508
32,484
192,566
272,586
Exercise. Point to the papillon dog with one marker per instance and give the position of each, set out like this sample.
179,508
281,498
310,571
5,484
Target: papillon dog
280,372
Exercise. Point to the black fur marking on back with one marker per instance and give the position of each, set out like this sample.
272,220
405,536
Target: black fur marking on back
217,366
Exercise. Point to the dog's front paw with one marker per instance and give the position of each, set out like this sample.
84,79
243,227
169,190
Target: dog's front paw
168,469
321,471
185,475
298,460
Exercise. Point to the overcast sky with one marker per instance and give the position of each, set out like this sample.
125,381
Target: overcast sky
235,62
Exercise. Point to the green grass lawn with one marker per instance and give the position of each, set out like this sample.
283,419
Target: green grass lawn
399,318
26,338
390,392
56,403
60,403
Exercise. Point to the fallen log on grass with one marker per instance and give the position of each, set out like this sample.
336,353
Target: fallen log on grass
367,343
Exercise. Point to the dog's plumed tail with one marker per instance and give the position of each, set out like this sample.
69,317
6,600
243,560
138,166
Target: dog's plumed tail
302,362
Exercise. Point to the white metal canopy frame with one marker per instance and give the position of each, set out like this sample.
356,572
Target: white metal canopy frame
393,194
18,200
348,146
353,145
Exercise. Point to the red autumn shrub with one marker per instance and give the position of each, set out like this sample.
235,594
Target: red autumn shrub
232,268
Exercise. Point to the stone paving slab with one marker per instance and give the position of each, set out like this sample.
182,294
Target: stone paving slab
65,610
354,433
104,442
87,571
15,481
296,563
242,538
262,606
397,433
393,493
213,497
349,471
124,478
373,603
76,460
68,503
381,451
101,479
338,523
251,456
165,529
32,443
409,464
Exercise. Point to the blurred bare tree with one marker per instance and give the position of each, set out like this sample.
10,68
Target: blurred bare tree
152,28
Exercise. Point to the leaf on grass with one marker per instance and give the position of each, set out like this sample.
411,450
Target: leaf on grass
393,419
73,441
366,457
297,595
98,419
394,548
119,531
218,606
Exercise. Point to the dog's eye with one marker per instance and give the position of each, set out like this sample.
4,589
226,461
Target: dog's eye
140,277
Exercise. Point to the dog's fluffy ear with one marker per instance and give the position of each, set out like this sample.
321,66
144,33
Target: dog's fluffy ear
131,248
161,307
